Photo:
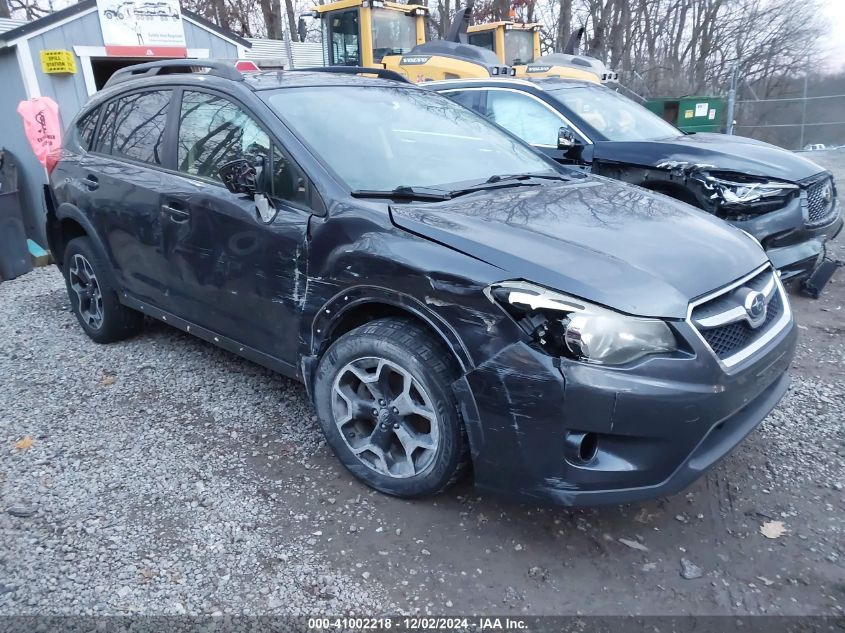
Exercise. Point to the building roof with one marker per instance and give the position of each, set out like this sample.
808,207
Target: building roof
7,24
23,29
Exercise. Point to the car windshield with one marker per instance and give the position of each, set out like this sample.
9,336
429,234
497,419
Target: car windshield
394,33
519,47
381,138
615,117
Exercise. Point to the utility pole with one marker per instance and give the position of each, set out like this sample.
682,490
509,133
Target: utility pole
729,127
803,111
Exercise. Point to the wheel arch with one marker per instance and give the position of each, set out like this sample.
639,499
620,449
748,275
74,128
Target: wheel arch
362,304
70,222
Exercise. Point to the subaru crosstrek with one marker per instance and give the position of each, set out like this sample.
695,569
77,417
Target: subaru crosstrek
448,295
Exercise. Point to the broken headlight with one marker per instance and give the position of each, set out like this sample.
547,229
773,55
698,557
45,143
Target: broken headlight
567,326
748,192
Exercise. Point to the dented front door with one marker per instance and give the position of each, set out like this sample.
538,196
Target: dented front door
237,269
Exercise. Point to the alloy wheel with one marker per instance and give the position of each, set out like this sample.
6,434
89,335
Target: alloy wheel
386,417
84,283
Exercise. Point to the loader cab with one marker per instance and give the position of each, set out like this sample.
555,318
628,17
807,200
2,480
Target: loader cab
518,46
364,32
515,44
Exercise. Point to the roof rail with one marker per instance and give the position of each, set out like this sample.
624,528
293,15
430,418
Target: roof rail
150,69
381,73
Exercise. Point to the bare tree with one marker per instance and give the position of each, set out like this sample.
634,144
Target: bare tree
294,34
26,9
272,12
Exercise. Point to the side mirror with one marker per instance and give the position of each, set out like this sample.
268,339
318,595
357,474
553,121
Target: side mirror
244,175
566,139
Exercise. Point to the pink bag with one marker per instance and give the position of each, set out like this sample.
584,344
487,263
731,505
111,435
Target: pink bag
42,128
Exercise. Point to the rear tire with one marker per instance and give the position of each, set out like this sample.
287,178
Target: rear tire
384,399
92,296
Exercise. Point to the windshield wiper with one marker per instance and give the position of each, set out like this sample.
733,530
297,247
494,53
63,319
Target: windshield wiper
501,181
403,193
507,177
498,181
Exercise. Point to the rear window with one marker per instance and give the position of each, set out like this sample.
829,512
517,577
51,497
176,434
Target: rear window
85,128
133,126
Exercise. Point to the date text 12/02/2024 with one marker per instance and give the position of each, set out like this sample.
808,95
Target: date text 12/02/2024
418,623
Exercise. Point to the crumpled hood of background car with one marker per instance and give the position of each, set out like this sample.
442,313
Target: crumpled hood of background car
723,152
598,239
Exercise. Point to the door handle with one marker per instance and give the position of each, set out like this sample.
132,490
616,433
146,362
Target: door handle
91,182
177,215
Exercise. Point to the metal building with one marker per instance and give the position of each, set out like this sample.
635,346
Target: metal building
284,53
76,35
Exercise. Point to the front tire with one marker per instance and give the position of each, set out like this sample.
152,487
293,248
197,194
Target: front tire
384,399
93,299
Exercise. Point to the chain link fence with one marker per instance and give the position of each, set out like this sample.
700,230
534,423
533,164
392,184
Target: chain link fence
793,121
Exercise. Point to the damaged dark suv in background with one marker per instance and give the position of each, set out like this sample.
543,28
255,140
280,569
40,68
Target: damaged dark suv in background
449,297
785,201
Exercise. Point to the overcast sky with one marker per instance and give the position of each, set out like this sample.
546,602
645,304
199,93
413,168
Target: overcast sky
836,12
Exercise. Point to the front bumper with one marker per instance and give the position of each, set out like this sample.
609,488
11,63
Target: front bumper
658,425
794,249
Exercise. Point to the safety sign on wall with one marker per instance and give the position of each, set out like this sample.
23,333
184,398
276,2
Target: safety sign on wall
57,61
142,28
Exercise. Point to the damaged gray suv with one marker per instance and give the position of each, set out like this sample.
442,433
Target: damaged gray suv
449,297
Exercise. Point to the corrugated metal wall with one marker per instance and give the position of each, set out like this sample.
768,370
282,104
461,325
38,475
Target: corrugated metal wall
305,54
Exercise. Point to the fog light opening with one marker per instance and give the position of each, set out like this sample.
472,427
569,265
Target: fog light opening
588,447
581,448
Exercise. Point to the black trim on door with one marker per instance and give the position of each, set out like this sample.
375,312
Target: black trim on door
317,208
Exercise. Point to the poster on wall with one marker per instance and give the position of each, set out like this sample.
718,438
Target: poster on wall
142,28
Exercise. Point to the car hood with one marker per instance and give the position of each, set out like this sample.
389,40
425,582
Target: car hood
598,239
723,152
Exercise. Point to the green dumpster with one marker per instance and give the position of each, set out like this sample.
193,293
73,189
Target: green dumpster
691,114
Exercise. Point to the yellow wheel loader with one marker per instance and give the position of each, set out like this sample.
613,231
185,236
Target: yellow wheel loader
518,45
381,34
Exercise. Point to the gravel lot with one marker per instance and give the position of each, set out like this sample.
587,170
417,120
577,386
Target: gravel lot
167,476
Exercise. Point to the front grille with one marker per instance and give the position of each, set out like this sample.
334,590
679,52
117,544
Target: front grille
727,340
820,202
726,326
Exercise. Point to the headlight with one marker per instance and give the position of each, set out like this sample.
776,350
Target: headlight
739,190
571,327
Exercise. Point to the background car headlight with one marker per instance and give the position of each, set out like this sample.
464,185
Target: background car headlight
567,326
747,192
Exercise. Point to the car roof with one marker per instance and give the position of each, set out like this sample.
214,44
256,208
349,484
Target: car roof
268,80
263,80
251,81
223,74
546,83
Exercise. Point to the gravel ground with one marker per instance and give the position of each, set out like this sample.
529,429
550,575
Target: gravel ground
167,476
